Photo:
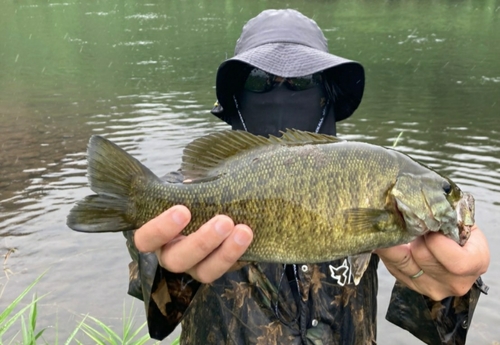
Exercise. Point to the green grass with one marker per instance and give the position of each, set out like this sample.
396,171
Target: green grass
6,320
30,336
395,143
25,321
105,335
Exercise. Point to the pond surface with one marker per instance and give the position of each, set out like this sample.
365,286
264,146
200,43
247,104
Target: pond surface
142,74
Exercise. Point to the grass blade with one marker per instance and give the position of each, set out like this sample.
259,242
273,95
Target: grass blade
7,324
397,140
75,331
10,307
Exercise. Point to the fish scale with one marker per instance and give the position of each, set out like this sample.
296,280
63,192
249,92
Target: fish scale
307,197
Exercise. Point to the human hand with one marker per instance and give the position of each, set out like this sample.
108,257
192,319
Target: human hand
205,254
449,269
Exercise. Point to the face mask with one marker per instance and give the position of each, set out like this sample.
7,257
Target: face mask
281,108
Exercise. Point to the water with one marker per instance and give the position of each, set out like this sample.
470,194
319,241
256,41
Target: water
142,74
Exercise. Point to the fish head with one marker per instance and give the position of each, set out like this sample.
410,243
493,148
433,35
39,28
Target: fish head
430,202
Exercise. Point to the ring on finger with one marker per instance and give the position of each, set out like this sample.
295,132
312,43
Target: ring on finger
418,274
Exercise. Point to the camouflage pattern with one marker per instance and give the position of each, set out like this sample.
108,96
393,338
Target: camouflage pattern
443,322
268,304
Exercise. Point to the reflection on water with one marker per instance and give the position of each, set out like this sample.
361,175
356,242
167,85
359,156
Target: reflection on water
142,75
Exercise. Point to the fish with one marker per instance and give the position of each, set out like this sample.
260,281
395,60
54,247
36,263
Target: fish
308,197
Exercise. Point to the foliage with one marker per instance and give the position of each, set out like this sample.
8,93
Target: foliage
106,336
6,321
31,335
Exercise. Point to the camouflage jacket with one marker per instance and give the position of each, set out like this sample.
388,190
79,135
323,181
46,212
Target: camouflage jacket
264,303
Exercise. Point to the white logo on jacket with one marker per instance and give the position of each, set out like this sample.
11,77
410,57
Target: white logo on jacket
342,273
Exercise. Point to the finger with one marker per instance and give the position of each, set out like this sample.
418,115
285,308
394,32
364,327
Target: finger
162,229
225,257
400,257
399,261
446,280
471,259
435,281
182,255
421,253
425,259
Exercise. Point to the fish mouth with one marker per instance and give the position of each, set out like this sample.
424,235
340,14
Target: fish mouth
465,217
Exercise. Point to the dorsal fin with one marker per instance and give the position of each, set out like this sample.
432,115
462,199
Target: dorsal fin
296,137
202,156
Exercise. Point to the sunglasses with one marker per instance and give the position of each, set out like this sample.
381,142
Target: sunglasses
261,81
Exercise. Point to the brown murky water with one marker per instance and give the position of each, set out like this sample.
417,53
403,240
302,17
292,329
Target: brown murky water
142,74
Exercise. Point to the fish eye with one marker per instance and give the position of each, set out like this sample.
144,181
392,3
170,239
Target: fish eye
447,187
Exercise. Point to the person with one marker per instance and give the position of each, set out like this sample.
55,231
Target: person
282,76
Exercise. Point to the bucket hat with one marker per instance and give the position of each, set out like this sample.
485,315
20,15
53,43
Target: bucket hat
287,44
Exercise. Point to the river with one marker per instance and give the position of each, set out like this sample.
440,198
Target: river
142,74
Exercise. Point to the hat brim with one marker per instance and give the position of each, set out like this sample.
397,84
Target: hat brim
290,60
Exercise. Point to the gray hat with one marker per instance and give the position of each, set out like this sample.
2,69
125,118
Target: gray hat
287,44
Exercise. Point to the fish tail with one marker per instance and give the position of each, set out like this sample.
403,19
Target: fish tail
111,172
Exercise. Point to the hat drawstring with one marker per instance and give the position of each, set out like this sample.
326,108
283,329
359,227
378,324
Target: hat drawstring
323,115
331,95
239,114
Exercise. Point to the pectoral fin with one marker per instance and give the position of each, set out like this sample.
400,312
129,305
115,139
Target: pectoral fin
369,220
359,264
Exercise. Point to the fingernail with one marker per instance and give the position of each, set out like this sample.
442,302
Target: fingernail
222,228
178,218
242,237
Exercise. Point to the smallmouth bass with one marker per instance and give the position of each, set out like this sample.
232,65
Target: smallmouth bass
308,197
